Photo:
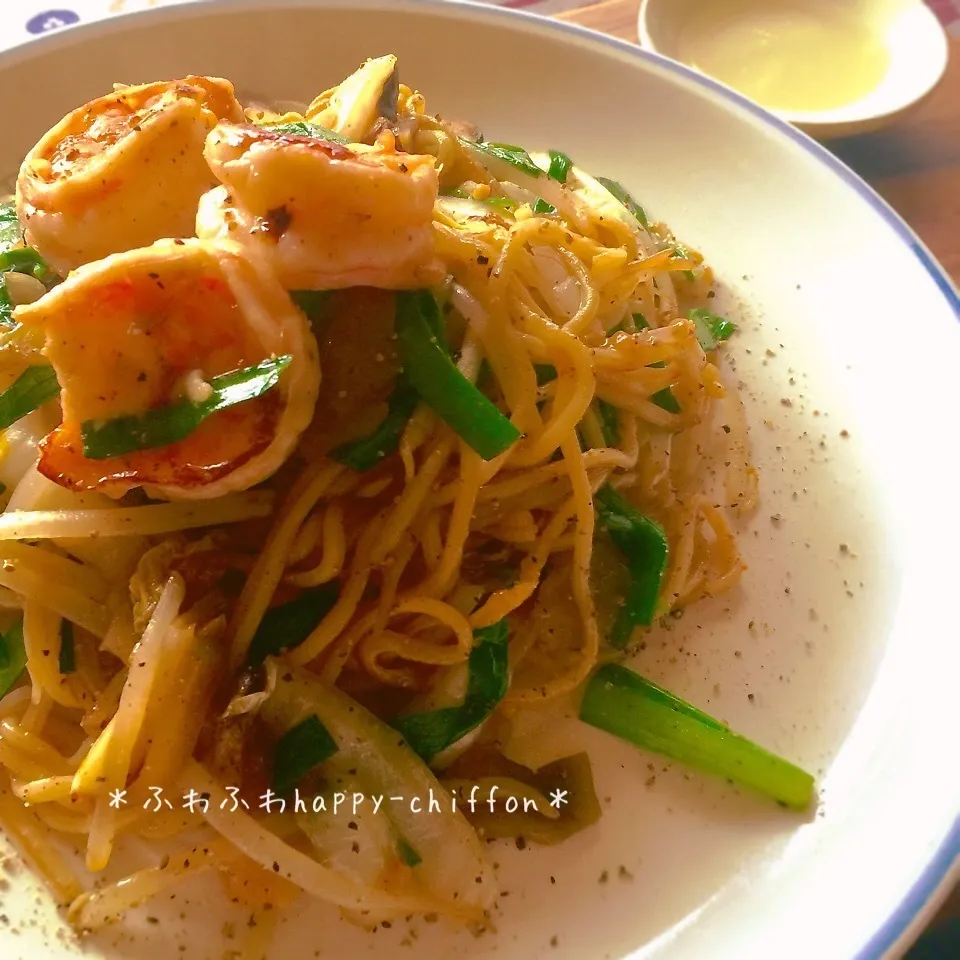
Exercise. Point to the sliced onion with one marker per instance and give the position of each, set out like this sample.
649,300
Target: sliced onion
362,844
453,867
557,278
267,849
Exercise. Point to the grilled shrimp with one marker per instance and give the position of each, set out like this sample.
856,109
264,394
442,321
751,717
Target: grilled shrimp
121,171
327,215
140,330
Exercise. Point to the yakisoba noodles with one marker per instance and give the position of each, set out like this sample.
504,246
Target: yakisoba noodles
367,437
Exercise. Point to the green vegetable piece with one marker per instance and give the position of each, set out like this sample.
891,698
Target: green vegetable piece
169,424
6,306
68,652
301,128
546,372
298,751
364,454
432,373
666,400
13,657
560,165
711,328
627,705
430,311
682,253
32,389
620,193
625,622
427,734
640,321
10,232
13,256
515,156
621,327
24,260
286,626
541,206
312,302
644,546
502,203
407,854
609,422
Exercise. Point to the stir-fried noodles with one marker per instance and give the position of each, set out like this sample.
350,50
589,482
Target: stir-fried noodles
335,441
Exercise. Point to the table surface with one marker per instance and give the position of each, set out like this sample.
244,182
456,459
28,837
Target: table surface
914,165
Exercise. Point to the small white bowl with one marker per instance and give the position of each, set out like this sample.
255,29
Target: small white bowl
830,67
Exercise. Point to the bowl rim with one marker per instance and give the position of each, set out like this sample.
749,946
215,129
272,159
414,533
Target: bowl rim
828,120
931,887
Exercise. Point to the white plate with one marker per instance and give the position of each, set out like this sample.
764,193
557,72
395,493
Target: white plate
862,333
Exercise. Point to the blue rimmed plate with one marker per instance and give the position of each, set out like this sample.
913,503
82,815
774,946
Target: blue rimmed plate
848,349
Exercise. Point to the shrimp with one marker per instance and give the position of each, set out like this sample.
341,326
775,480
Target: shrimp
144,328
327,215
121,171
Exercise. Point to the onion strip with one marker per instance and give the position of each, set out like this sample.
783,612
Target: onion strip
133,521
267,849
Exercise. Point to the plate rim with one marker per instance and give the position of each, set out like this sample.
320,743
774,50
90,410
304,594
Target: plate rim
930,888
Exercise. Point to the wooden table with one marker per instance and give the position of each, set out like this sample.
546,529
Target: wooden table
914,165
